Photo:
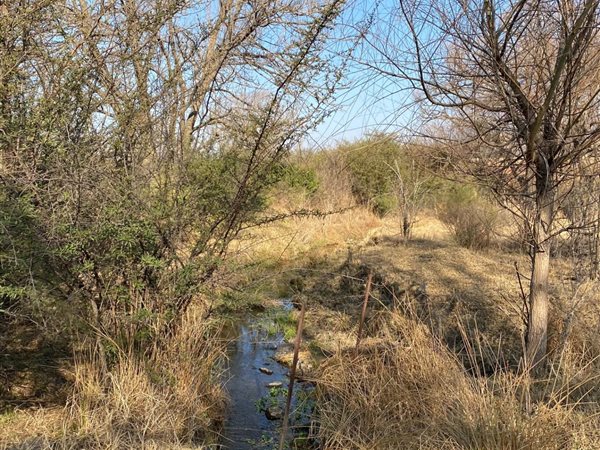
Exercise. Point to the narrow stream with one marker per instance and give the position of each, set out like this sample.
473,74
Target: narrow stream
256,383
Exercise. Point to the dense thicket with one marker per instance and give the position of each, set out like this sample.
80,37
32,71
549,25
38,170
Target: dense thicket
137,139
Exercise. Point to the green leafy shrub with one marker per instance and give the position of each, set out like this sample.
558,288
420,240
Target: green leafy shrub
23,255
369,162
383,204
302,178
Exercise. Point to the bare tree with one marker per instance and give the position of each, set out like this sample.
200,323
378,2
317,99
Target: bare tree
582,209
515,82
410,189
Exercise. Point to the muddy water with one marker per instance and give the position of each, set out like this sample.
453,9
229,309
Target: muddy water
246,425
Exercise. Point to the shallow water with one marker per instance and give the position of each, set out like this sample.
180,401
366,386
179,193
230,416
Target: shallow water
246,426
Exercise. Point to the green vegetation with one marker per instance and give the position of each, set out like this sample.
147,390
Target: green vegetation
159,182
275,397
369,161
278,321
124,183
302,178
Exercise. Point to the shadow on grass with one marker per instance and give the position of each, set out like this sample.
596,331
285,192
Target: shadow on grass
32,367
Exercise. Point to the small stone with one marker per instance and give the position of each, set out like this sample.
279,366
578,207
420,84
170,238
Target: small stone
274,413
275,384
266,371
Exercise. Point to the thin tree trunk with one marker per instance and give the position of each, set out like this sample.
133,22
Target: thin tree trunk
537,333
406,224
596,243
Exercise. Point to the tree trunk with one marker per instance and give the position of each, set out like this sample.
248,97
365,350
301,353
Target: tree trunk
596,243
406,224
537,333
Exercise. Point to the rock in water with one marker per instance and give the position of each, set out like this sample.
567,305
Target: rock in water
275,384
274,413
266,371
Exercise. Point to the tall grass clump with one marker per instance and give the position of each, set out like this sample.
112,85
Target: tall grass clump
169,398
409,390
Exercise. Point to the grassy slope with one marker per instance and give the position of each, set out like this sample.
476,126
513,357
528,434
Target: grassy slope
456,315
479,286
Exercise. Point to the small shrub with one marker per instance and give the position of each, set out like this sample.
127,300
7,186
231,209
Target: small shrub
471,219
383,204
303,178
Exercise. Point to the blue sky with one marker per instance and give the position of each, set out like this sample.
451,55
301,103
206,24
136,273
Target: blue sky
372,103
369,102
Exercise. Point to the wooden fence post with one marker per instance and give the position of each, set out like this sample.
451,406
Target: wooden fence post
288,403
364,311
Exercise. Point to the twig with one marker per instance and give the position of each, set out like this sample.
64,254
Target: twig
525,308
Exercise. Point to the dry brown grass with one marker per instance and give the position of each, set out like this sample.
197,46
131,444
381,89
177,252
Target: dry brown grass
479,288
410,391
429,227
440,372
31,428
301,237
172,399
